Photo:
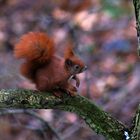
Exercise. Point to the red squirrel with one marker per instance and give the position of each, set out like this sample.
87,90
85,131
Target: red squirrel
48,71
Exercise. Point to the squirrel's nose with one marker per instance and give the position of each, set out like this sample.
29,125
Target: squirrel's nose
85,68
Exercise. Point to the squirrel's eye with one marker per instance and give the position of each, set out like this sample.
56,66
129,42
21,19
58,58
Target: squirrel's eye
77,67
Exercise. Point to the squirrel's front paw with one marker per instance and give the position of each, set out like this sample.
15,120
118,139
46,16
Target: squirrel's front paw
72,91
77,82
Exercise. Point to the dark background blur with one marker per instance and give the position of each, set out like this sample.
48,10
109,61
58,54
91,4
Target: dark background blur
104,35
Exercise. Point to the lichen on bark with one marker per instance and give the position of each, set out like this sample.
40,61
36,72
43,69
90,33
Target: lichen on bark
98,120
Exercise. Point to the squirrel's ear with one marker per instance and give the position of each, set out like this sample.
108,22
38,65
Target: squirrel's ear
68,62
69,52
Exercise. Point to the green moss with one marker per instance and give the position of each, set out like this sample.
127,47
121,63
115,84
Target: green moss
98,120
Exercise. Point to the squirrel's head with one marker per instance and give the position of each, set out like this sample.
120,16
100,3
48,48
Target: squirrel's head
73,63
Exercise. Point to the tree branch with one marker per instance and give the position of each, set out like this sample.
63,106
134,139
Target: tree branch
97,119
135,132
137,15
136,129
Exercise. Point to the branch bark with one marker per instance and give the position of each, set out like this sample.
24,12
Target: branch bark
97,119
137,15
136,129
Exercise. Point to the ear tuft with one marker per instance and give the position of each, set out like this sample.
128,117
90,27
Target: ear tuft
69,52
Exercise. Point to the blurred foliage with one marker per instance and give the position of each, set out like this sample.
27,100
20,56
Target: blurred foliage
117,8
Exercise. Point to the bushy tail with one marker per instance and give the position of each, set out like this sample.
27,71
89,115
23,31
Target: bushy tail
35,46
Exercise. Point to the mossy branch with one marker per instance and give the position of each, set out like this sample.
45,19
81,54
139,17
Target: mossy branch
97,119
135,132
136,129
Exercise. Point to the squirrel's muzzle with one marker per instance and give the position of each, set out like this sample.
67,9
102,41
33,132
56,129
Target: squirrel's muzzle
83,69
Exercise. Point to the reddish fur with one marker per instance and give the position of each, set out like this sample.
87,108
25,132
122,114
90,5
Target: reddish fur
35,46
43,66
76,6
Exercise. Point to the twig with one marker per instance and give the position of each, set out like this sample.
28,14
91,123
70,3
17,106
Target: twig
44,122
33,114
